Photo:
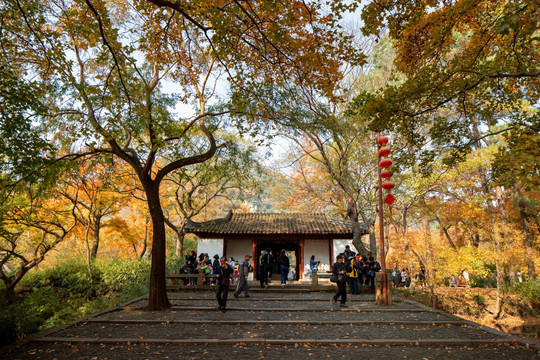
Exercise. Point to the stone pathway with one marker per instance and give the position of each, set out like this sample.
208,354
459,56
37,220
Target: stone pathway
274,325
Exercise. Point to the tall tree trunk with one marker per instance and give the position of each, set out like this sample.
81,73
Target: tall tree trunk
373,240
145,238
497,248
157,298
499,196
95,242
88,253
180,235
405,225
357,230
527,241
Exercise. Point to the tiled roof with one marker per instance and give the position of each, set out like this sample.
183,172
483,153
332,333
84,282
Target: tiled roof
253,223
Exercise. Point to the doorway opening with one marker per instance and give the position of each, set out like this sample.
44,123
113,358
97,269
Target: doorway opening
292,250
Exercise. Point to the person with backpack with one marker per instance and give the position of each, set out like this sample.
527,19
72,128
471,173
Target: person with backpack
352,276
373,267
243,273
339,271
284,265
223,272
267,261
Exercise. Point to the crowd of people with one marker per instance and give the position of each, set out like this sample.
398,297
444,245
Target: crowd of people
354,270
202,264
349,268
267,264
223,269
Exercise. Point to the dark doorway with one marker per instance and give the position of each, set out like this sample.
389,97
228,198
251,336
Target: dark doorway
292,249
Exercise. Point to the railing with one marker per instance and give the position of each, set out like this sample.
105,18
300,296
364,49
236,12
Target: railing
176,280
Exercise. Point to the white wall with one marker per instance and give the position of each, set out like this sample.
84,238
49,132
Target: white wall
339,247
210,246
238,249
320,249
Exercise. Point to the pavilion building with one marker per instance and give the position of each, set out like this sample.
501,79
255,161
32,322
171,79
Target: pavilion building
300,235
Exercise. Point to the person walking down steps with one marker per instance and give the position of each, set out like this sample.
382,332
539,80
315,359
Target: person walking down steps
243,273
224,272
339,269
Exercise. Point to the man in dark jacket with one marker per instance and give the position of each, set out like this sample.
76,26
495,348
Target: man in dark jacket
284,265
340,270
267,261
347,252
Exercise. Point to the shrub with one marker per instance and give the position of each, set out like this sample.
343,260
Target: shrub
173,264
529,291
70,275
131,275
53,296
480,300
482,282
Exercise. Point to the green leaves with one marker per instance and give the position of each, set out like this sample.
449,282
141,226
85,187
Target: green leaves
23,146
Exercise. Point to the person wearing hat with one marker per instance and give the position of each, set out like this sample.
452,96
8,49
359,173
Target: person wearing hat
243,273
347,252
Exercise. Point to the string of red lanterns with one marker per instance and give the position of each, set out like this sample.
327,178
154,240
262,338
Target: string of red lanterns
386,174
385,183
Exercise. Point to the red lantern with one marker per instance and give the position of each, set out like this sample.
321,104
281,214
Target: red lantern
385,162
382,140
389,199
386,174
388,185
383,151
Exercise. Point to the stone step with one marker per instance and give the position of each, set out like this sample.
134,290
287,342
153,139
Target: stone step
311,342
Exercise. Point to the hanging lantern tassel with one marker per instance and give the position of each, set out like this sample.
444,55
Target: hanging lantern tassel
389,200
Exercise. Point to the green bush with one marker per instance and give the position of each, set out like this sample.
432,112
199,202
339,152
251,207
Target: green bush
173,264
63,293
130,276
70,275
482,282
480,300
529,291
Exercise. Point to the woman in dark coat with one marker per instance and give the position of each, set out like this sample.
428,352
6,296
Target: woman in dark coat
223,272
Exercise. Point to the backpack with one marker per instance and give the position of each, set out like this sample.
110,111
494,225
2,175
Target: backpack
351,269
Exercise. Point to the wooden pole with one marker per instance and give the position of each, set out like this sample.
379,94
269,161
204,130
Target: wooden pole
381,232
